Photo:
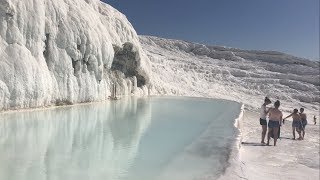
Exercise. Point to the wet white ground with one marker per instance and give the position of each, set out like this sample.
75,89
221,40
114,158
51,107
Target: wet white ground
290,159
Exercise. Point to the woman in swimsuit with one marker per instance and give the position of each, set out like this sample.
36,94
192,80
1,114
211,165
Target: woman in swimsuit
263,118
296,123
275,117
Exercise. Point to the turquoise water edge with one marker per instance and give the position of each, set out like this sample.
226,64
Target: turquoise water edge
132,138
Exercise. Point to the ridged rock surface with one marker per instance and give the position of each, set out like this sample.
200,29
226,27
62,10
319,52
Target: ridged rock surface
191,69
61,52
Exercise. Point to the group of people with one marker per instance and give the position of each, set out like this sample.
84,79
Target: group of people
275,121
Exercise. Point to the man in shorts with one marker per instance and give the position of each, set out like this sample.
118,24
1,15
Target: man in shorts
275,119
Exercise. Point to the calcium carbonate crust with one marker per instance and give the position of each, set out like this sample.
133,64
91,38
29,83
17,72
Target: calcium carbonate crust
56,52
191,69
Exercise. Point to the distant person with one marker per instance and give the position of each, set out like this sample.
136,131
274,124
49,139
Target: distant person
263,118
304,121
314,119
296,124
275,118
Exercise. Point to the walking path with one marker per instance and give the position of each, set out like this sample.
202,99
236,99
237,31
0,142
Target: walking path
289,160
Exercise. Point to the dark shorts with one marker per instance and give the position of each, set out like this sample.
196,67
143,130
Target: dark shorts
273,124
297,124
304,123
263,122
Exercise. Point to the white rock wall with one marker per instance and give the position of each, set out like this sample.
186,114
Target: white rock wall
61,51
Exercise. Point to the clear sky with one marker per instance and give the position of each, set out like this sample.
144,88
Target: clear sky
290,26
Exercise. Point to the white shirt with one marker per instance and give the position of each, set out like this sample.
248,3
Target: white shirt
263,110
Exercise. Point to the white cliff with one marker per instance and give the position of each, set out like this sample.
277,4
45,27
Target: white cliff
62,52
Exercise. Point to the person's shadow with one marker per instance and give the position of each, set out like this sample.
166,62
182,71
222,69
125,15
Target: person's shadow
284,138
259,144
252,144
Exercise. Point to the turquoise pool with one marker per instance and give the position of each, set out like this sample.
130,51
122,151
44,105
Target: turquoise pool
128,139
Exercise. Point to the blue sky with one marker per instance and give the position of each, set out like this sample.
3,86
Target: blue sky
290,26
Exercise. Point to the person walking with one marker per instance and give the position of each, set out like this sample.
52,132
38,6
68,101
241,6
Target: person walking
275,118
296,123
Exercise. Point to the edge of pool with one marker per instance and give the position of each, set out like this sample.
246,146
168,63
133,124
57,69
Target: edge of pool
235,168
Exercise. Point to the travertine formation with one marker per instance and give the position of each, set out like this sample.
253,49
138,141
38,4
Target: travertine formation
66,52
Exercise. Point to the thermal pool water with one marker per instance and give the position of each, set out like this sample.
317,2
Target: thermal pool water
132,138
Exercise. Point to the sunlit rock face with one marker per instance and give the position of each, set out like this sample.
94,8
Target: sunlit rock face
61,52
192,69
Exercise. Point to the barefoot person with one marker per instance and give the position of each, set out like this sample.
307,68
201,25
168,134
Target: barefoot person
275,117
263,118
296,123
303,121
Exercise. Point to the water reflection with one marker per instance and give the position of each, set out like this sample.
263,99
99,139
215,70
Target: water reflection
188,138
97,141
